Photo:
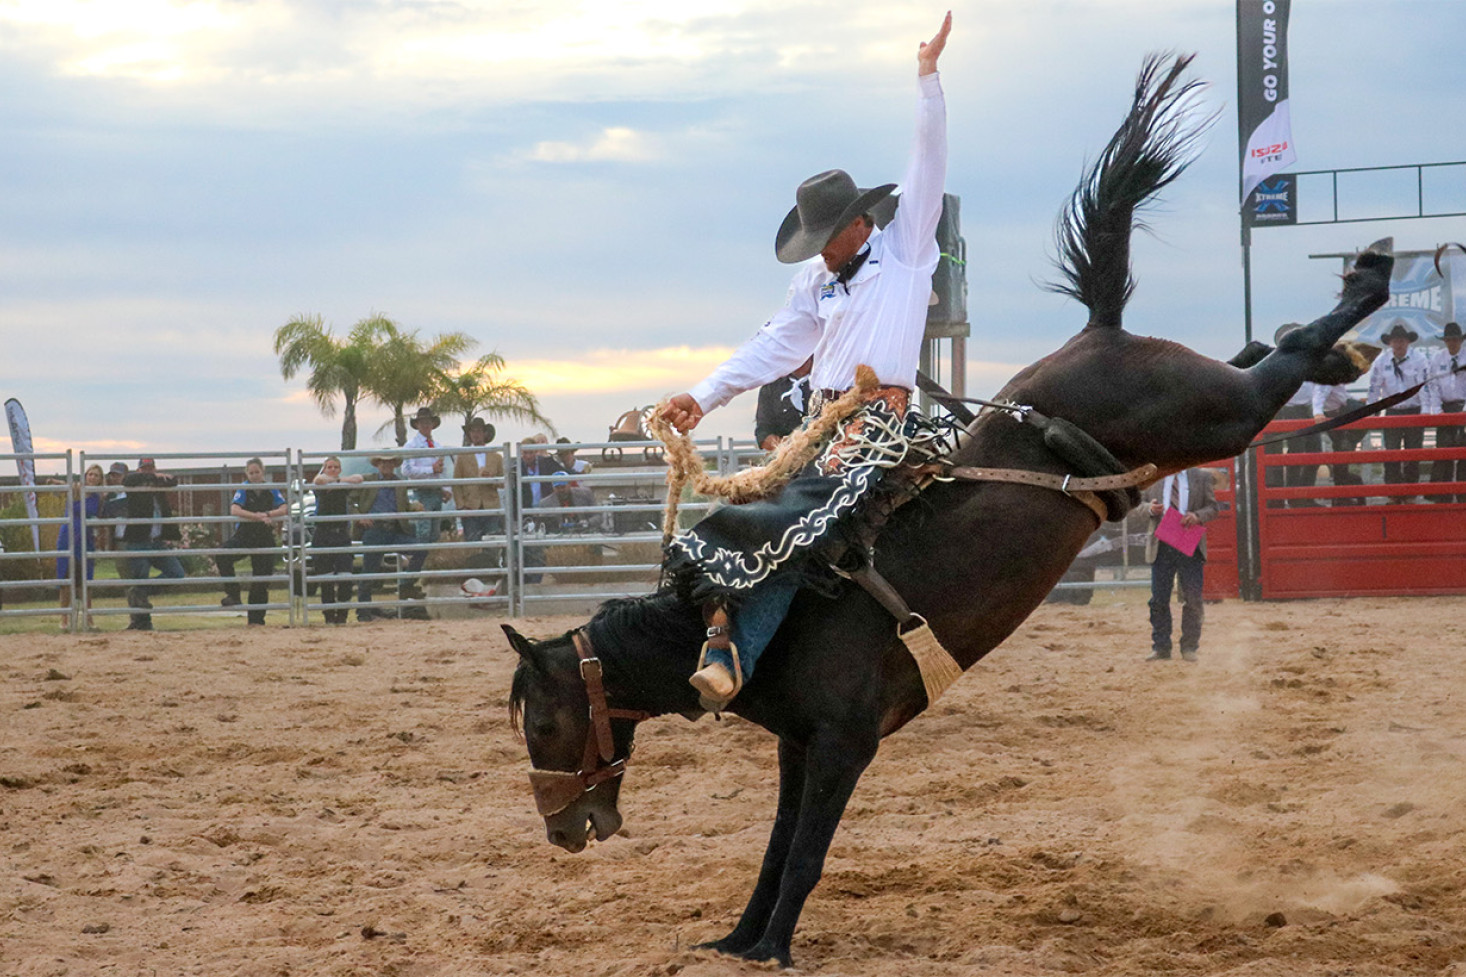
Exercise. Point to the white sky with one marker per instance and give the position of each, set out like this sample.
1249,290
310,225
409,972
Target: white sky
591,188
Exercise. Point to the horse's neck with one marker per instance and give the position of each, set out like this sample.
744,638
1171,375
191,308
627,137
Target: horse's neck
647,666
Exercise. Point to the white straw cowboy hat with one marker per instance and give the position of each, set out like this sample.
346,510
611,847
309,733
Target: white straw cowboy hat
824,205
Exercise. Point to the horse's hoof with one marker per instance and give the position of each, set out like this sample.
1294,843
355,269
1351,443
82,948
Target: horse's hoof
763,952
727,946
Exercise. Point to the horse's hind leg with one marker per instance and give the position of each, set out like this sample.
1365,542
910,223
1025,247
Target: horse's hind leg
756,915
834,762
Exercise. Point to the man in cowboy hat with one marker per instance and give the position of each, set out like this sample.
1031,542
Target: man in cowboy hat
425,465
381,496
860,297
470,497
1396,371
1448,396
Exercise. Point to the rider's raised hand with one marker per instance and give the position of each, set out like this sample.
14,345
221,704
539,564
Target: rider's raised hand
926,58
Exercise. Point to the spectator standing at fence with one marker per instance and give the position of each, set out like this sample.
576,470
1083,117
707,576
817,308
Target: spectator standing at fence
469,498
426,466
1448,396
82,507
333,497
114,506
781,406
1397,370
147,504
382,494
535,461
256,508
1190,493
566,461
1329,401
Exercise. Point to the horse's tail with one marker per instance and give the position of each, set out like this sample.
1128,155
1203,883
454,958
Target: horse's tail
1154,144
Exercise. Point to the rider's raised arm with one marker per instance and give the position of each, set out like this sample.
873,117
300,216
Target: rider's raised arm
911,235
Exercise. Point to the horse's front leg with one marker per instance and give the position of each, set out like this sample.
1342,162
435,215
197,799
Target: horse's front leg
834,761
756,915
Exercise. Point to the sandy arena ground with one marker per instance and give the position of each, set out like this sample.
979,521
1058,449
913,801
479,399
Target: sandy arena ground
351,802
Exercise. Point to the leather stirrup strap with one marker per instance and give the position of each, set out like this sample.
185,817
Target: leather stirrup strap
880,588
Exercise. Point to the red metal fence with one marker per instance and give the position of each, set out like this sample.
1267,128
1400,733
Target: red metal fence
1344,540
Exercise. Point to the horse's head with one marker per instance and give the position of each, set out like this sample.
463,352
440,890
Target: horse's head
576,755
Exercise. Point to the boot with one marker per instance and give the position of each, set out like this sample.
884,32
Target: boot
715,683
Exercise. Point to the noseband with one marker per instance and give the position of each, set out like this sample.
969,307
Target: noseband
555,790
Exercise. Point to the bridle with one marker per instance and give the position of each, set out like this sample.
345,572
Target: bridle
555,790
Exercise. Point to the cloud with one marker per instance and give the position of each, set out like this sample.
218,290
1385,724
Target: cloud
646,372
617,144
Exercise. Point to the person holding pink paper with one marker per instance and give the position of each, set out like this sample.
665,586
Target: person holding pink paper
1179,506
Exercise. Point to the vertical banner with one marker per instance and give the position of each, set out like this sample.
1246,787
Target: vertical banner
20,440
1265,128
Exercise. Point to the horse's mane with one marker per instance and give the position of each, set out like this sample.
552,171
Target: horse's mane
1154,144
629,631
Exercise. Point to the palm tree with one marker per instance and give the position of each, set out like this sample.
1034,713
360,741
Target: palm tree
404,370
336,367
475,390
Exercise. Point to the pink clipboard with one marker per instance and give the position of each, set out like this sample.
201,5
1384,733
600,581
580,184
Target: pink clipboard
1184,539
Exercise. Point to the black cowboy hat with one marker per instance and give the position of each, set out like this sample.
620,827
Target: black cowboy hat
824,205
426,414
1452,331
1398,331
477,422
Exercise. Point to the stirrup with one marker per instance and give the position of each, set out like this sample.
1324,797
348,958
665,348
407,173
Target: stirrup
708,702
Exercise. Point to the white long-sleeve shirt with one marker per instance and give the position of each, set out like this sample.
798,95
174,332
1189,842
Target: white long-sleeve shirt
1386,378
1328,397
421,466
879,319
1450,386
1304,395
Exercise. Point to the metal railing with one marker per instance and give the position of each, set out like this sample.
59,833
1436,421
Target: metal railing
528,550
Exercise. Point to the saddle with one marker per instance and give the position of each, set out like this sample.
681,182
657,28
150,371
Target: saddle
1103,486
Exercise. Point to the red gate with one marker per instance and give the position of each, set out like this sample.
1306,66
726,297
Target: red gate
1367,539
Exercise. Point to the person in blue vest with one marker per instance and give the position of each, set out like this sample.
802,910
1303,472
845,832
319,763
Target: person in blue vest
258,509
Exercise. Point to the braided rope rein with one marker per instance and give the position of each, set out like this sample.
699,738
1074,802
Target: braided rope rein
685,463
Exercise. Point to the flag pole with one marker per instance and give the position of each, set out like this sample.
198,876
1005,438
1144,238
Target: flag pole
1242,136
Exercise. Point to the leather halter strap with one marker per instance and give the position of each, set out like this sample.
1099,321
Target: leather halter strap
599,741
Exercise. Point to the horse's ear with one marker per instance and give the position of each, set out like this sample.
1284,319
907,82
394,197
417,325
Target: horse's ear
522,645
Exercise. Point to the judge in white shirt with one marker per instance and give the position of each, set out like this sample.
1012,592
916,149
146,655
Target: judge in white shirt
1329,401
1299,407
1396,370
1448,393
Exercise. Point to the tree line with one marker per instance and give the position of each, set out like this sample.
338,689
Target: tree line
381,362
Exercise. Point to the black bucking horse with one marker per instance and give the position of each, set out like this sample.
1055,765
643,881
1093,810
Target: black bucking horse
974,559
